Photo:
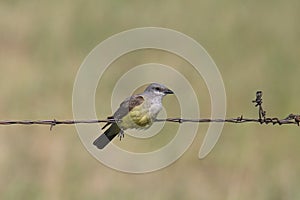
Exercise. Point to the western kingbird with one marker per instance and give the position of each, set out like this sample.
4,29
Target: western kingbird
136,112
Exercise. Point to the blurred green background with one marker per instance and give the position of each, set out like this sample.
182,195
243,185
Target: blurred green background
256,45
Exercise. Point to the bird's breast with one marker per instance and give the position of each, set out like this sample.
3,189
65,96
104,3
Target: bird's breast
154,110
142,116
138,117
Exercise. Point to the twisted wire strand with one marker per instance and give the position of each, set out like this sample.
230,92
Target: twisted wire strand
262,119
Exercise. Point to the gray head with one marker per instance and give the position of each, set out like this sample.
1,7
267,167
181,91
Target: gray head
158,89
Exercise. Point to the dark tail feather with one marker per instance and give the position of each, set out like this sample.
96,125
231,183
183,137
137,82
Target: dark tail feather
108,123
107,136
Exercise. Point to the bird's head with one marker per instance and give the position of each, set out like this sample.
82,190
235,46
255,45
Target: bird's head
158,89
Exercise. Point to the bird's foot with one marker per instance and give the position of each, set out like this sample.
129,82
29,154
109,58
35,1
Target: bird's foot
121,134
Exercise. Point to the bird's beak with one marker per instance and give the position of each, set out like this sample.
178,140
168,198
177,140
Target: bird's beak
168,91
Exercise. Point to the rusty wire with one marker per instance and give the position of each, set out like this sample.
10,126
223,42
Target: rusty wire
262,119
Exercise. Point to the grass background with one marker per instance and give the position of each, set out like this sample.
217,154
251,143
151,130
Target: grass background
255,44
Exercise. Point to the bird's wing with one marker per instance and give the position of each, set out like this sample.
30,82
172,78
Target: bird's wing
127,105
135,101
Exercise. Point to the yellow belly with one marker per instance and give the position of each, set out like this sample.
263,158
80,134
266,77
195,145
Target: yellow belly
136,118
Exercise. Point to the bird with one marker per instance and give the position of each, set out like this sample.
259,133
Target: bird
138,111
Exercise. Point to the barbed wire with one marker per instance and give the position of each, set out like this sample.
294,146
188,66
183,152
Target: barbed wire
262,119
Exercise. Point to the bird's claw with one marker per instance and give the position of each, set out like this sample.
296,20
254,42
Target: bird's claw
121,135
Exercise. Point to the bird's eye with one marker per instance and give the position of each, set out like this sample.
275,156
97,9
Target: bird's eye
157,88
